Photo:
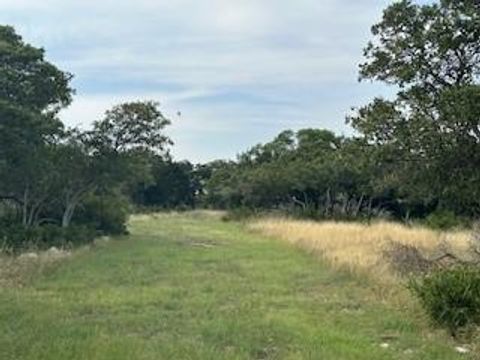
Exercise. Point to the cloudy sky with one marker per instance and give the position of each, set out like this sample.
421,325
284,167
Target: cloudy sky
240,71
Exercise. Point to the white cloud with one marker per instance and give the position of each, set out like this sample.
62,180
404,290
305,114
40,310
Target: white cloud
248,67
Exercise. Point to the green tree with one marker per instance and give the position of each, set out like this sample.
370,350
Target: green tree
425,47
133,126
27,79
116,153
78,172
173,185
32,91
430,133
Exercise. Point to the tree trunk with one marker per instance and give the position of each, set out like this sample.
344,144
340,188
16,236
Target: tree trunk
68,214
369,211
357,209
25,208
328,203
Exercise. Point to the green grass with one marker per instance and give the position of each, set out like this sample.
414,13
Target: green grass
187,287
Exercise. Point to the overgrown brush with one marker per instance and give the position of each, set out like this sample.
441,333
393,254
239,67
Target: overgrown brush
445,220
406,259
451,296
16,238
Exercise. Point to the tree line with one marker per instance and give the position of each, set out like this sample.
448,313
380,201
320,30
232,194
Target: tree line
415,155
58,183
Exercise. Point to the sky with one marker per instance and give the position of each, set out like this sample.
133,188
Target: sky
238,71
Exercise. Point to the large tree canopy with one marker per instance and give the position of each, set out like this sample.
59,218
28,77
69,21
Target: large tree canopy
27,79
32,91
426,46
432,128
132,126
417,152
48,172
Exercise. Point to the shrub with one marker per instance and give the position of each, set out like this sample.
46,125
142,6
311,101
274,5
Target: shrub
240,214
76,235
444,220
451,297
106,213
17,237
14,236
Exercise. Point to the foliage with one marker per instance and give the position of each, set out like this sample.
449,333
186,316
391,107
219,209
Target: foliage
425,47
416,153
430,132
107,213
32,92
310,173
16,238
444,220
413,155
173,185
49,172
27,80
451,297
132,126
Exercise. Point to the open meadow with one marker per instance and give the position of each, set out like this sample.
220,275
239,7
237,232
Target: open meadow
190,286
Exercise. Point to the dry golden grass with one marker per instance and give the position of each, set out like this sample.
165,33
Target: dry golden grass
361,247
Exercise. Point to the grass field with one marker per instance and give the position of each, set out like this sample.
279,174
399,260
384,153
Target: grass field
194,287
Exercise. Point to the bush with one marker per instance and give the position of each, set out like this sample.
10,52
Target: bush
240,214
17,237
451,297
444,220
14,236
76,235
107,214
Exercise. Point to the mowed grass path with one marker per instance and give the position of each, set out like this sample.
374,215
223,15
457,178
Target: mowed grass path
194,287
